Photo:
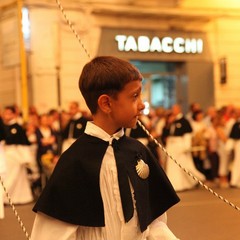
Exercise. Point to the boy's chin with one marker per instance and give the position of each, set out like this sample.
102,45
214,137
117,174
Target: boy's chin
133,125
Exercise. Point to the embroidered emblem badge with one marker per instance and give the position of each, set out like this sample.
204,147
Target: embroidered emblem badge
13,130
142,169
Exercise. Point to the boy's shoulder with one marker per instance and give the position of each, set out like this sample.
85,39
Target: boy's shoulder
85,144
86,139
135,142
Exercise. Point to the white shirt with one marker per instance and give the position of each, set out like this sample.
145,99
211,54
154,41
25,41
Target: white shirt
48,228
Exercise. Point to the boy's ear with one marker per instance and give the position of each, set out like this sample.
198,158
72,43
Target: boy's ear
104,103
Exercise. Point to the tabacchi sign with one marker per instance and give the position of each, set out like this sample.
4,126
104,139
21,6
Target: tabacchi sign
156,44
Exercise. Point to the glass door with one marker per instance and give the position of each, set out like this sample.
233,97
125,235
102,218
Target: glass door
161,85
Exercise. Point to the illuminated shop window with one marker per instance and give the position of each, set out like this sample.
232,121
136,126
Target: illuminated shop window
25,24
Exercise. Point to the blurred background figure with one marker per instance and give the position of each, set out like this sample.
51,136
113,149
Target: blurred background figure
140,134
199,141
18,155
216,139
18,115
55,124
47,148
235,137
158,124
178,144
2,174
2,166
33,170
209,115
75,127
192,109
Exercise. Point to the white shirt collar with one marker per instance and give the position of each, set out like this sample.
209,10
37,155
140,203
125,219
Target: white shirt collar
11,122
94,130
179,116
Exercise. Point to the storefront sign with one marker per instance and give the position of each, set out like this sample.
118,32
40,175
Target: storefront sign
156,44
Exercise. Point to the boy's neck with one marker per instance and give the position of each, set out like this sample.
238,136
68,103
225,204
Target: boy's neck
107,126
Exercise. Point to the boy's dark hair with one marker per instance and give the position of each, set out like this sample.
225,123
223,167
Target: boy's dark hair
105,75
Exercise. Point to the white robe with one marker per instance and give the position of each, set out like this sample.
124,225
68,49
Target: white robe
2,174
179,148
48,228
16,178
235,173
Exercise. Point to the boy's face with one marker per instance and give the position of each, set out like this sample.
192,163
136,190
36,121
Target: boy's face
128,105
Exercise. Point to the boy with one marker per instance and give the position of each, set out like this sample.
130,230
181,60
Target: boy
106,186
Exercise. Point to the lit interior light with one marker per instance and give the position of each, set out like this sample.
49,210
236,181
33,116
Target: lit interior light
147,108
25,23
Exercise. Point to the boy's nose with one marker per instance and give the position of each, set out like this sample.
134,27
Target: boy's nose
141,105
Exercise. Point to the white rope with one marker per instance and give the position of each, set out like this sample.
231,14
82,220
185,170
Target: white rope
71,27
14,210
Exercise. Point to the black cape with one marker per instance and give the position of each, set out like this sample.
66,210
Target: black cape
181,126
72,194
235,131
75,128
15,134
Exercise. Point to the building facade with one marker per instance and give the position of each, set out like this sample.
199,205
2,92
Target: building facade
186,50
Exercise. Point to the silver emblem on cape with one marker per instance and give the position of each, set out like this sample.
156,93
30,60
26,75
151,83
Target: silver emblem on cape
142,169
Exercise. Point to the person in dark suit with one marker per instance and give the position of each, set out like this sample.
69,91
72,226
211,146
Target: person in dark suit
75,127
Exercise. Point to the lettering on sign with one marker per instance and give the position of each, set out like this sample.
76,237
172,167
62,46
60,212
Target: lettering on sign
162,45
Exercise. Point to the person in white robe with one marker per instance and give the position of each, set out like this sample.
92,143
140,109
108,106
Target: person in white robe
235,138
179,145
2,174
18,155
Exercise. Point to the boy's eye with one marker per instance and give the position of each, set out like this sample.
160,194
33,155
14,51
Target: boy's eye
135,95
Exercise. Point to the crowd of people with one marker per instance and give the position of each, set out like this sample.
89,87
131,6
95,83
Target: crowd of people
30,150
205,142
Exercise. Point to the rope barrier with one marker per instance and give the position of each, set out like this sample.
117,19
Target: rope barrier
72,28
143,127
14,210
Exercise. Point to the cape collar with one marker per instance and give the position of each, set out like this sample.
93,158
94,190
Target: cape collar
96,131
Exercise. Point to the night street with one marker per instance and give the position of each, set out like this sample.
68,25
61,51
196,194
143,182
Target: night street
199,216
